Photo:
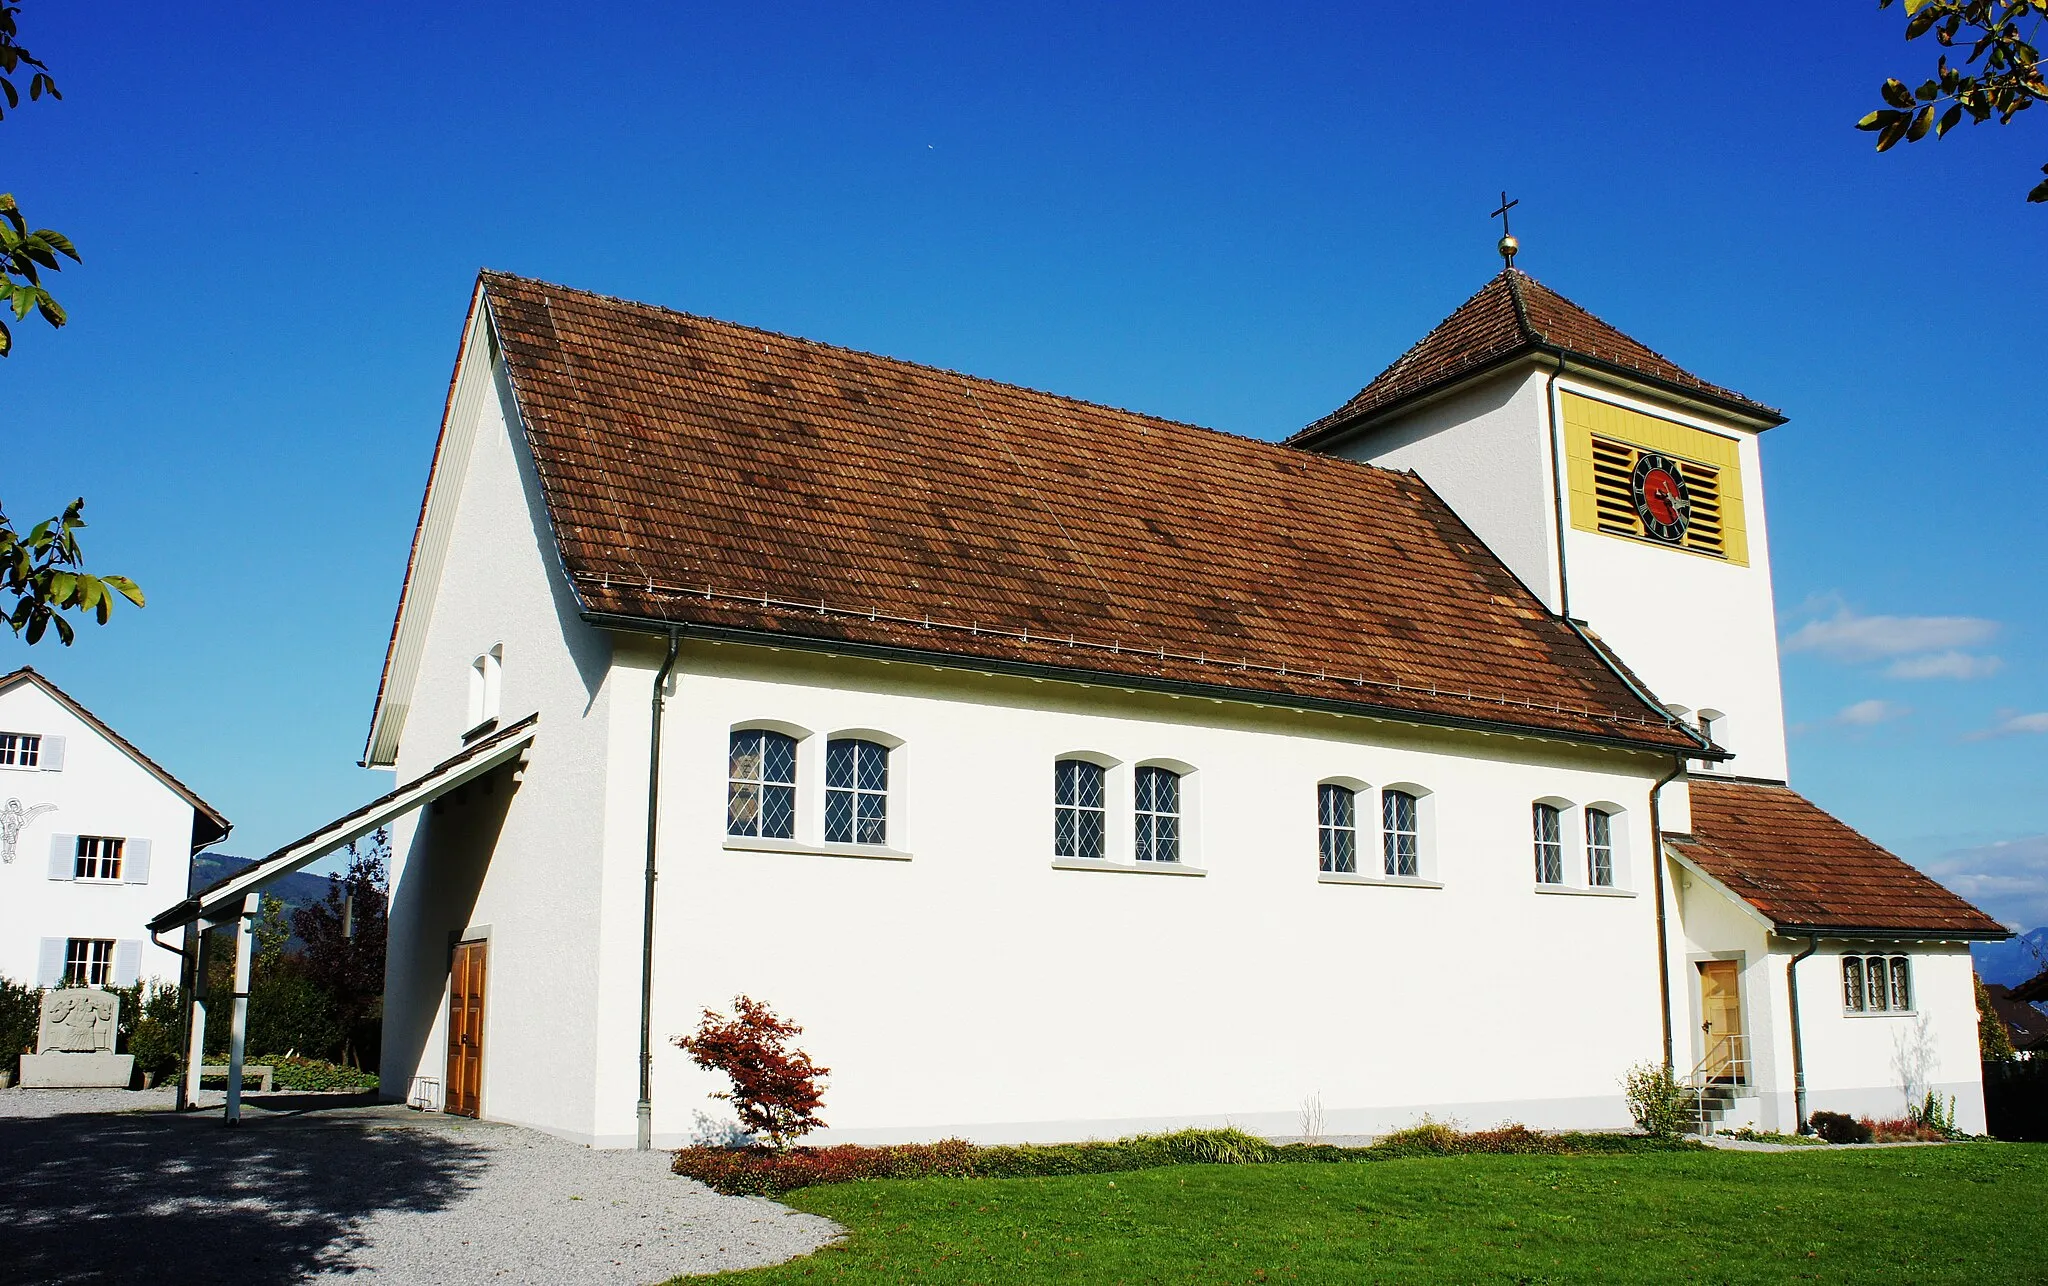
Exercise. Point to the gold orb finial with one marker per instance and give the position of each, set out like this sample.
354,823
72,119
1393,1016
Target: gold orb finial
1508,245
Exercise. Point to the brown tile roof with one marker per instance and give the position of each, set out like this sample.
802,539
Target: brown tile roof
1512,315
208,825
702,472
1807,870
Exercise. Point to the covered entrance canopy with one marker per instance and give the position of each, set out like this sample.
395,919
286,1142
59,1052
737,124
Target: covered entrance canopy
237,897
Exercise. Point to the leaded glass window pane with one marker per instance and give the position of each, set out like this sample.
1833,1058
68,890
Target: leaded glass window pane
1549,844
1158,815
1902,983
760,797
1077,814
1337,829
1400,833
1878,987
1599,849
856,792
1852,984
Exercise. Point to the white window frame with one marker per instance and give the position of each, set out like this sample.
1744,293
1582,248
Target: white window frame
1146,822
1600,847
1327,832
21,750
86,964
1891,964
762,784
1102,765
91,855
1548,853
486,690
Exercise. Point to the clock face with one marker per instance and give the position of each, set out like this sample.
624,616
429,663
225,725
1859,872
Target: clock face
1662,500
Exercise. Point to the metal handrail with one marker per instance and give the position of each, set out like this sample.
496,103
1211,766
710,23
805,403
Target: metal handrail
1729,1056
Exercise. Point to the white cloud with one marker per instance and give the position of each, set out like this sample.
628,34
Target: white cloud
1868,714
1944,665
1848,636
2009,879
2010,724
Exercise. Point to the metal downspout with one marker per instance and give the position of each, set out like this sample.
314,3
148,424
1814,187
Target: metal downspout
1564,588
1663,935
1798,1050
644,1112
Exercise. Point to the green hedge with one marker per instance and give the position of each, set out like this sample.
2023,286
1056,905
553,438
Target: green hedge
764,1172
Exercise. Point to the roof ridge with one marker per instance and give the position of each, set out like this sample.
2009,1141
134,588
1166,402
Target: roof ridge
912,364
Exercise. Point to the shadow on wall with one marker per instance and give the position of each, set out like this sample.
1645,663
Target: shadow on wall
163,1197
430,906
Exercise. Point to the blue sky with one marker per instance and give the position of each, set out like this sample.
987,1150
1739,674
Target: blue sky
1230,215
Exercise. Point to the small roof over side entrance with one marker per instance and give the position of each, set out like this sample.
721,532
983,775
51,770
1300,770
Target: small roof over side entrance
223,898
1809,872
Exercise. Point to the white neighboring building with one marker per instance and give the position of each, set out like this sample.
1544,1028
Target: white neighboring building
1067,772
94,837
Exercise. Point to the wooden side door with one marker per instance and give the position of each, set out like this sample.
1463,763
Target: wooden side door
1721,1016
464,1094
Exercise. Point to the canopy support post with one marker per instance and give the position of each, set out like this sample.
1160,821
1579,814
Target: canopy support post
196,938
238,1034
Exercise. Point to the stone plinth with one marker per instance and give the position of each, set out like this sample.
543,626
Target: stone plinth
76,1071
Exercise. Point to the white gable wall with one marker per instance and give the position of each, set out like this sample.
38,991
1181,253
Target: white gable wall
975,990
101,790
525,875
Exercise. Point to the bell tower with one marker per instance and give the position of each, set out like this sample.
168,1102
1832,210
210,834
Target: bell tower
1624,490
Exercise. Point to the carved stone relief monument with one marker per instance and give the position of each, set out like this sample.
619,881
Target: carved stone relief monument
75,1042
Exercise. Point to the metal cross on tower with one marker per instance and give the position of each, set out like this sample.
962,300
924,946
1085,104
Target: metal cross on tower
1508,244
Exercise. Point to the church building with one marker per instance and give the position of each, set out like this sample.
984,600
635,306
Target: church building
1067,772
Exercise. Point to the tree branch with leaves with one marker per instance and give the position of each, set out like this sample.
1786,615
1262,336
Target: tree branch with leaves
2000,36
42,572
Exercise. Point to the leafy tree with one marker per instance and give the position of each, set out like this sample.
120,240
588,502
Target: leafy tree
1994,1042
2008,82
344,937
41,573
774,1087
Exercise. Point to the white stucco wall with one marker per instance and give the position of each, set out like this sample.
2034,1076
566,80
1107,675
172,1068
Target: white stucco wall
101,790
1482,450
974,989
539,906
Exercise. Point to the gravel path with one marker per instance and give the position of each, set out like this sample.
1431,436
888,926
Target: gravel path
112,1186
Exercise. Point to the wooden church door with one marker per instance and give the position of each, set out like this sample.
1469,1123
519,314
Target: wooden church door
466,1031
1721,1015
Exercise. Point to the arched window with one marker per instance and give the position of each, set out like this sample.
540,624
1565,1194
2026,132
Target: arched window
760,798
1079,814
1400,833
1852,984
1599,848
1549,830
856,792
1158,814
1337,828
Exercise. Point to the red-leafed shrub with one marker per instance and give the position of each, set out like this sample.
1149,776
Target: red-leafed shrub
774,1086
1903,1129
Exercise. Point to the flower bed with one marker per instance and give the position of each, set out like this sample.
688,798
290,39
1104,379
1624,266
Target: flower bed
766,1172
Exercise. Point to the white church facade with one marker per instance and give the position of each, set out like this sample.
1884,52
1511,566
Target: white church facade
1067,772
94,838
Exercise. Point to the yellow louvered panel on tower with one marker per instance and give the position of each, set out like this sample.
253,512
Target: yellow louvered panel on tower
1603,442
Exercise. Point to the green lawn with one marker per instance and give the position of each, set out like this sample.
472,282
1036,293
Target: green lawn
1972,1212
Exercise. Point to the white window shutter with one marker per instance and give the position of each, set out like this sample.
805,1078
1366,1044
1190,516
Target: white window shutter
50,963
50,757
127,962
63,856
135,861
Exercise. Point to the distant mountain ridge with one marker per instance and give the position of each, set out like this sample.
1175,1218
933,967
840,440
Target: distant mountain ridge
296,890
2013,961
